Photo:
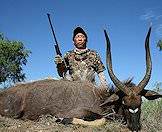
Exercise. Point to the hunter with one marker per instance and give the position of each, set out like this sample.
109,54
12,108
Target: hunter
81,63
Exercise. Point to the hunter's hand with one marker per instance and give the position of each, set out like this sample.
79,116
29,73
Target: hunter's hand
58,59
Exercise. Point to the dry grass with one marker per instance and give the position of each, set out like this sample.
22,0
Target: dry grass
47,124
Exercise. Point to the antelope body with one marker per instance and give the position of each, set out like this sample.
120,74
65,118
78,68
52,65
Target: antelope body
60,98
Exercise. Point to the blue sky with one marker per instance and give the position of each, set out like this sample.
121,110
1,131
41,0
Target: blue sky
127,22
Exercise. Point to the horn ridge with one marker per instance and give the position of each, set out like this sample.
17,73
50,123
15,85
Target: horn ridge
115,80
147,76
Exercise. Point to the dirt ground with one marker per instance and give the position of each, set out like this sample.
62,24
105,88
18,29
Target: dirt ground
48,124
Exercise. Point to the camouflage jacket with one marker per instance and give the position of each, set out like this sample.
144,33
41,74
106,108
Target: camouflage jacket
83,65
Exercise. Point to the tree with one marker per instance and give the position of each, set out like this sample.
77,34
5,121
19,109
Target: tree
13,56
159,44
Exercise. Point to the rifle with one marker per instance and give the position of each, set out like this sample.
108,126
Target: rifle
56,43
61,68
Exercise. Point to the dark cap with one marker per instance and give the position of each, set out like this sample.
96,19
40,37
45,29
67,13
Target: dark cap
79,30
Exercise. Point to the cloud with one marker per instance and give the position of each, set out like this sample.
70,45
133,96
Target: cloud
158,17
152,15
149,15
159,30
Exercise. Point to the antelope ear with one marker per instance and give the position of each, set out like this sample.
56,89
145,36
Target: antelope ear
150,95
110,99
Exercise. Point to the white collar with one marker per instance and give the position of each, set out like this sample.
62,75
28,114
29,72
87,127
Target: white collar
80,51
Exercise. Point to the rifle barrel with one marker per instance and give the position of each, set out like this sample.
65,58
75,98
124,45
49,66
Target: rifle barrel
52,28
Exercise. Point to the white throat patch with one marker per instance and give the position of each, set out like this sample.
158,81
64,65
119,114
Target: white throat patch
133,111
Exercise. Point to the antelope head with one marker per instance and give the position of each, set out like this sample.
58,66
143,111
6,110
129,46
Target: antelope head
132,99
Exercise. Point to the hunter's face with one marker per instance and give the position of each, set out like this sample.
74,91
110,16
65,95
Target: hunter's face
80,41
